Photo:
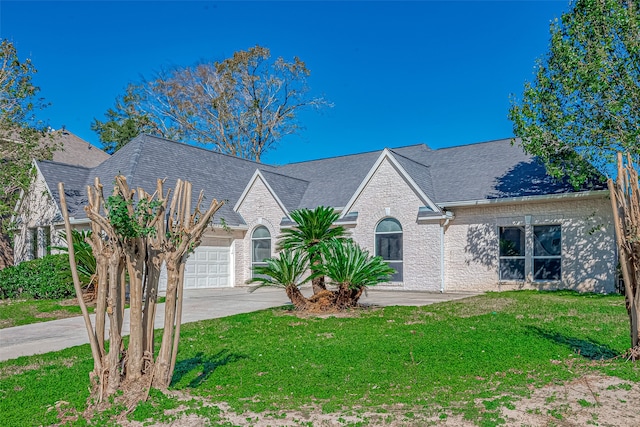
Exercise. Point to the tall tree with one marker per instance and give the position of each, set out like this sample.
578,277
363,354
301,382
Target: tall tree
126,120
22,137
241,106
584,104
583,110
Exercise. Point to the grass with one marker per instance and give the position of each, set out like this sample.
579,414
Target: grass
24,312
436,359
28,311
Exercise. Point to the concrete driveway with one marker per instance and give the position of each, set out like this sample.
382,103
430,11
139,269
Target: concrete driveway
198,304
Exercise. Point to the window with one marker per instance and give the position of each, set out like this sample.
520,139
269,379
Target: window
46,240
33,243
389,245
543,260
547,247
512,253
260,246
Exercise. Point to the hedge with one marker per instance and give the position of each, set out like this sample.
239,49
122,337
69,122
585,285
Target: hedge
45,278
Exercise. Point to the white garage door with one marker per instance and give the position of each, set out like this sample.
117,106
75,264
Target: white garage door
208,267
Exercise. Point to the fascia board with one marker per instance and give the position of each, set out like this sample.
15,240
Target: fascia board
593,194
386,154
39,175
258,175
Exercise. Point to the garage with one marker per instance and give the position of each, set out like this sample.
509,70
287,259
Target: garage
207,267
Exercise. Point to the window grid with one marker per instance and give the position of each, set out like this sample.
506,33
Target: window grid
542,258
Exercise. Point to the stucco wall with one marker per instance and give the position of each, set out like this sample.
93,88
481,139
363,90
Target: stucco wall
388,195
588,244
258,208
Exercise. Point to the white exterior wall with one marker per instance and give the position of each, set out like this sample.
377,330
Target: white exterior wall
388,195
588,244
36,210
258,208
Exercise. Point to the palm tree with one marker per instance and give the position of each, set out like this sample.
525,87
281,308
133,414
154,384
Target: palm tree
86,262
352,269
286,272
313,228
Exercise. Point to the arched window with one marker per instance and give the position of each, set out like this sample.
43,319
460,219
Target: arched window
389,245
260,246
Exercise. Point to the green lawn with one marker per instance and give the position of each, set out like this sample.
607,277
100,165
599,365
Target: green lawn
435,359
24,312
27,311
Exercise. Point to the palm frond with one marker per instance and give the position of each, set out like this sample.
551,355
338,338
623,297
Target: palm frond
284,270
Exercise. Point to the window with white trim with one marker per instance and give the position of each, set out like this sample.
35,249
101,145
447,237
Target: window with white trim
260,247
389,245
547,252
531,251
512,253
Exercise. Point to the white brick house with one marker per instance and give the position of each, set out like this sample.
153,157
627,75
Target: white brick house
477,217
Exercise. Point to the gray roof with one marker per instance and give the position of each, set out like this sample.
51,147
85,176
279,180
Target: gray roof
490,170
76,151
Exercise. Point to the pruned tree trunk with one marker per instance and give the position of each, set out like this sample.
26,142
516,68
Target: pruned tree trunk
131,238
625,201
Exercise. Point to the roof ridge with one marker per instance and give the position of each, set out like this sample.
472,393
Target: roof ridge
284,175
356,154
65,164
191,146
477,143
409,158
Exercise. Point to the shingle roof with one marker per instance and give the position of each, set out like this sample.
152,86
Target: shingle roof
74,179
76,151
495,169
332,181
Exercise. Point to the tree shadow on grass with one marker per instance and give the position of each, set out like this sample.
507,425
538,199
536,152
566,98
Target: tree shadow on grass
204,364
585,348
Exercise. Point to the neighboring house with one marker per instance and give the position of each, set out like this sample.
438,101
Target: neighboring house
476,217
36,233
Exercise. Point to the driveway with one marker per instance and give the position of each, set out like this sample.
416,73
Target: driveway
198,304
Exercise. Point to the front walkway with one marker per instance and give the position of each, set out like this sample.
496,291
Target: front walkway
198,304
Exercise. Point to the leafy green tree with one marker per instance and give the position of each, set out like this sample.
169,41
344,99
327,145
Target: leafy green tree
126,120
241,106
285,271
312,229
584,104
22,136
352,269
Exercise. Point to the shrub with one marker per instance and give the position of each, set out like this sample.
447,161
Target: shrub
45,278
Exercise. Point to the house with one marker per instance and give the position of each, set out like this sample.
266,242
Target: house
475,217
69,149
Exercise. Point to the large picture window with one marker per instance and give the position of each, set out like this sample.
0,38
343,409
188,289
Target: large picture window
389,245
547,252
543,260
260,246
512,253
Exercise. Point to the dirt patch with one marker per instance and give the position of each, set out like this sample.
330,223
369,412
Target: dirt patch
590,400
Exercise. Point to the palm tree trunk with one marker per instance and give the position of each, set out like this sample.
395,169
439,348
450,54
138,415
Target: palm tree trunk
296,297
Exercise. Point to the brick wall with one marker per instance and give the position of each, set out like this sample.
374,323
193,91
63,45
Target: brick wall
258,208
388,195
588,244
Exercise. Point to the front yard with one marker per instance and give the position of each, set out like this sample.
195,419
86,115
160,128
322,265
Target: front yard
513,358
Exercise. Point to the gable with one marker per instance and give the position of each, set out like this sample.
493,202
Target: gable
259,201
389,181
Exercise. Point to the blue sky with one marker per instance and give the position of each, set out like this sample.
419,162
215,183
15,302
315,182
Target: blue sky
398,73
